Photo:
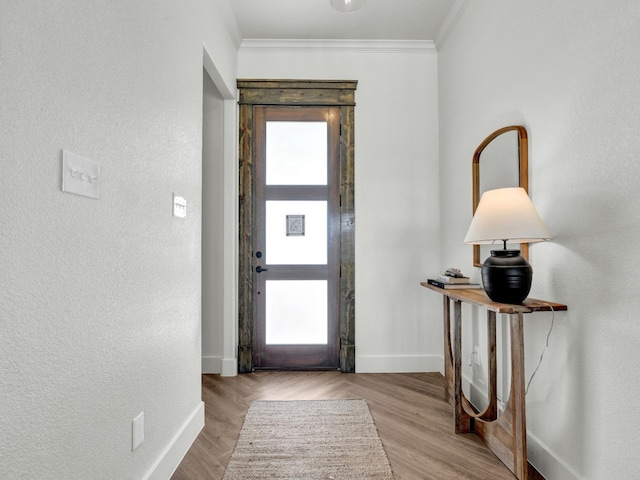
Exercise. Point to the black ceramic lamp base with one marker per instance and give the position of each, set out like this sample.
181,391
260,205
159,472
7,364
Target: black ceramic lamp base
506,276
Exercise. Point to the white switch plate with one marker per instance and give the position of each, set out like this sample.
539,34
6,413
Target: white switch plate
138,431
80,175
179,206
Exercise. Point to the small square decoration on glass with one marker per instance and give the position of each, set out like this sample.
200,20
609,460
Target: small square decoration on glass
295,225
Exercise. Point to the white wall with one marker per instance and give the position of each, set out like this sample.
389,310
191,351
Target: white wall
396,187
569,72
100,299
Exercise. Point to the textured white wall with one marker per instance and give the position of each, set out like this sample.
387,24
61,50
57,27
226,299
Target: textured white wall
100,299
569,72
396,190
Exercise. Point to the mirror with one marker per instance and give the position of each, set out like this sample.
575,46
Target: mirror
500,161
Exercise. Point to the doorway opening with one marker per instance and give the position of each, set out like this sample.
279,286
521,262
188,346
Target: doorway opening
212,226
219,222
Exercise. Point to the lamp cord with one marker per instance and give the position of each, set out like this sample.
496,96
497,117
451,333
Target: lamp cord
553,314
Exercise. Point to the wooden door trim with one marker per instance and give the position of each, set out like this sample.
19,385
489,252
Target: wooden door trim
291,93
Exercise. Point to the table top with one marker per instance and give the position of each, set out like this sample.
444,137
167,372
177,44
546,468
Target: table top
477,296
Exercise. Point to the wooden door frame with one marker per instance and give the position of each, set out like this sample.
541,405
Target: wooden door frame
340,93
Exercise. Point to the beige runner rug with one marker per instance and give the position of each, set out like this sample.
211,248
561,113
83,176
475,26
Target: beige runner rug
309,439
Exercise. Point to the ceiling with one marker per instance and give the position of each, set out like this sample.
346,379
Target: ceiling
317,20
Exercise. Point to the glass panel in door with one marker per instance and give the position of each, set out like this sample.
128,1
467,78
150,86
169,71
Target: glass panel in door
296,153
296,312
296,232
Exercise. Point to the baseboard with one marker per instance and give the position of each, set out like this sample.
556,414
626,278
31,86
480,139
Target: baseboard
398,363
178,447
211,364
477,396
538,454
229,367
548,464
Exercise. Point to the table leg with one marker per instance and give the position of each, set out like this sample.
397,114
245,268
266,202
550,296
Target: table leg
462,421
506,436
517,400
448,357
491,412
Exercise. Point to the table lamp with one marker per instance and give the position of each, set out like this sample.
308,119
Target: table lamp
506,215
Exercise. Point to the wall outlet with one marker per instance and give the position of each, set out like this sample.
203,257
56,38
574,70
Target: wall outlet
138,431
477,360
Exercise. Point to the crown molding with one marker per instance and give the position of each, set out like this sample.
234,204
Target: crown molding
374,46
450,21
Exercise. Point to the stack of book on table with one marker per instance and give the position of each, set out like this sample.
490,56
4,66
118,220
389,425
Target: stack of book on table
452,279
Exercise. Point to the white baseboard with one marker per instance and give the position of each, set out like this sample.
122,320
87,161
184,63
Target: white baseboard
548,464
538,454
477,395
398,363
211,364
229,367
178,447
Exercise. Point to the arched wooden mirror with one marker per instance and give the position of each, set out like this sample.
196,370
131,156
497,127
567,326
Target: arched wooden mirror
500,161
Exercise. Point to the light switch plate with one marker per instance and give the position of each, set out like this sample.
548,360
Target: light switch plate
179,206
80,175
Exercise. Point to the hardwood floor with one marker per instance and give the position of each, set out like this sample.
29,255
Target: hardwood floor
414,422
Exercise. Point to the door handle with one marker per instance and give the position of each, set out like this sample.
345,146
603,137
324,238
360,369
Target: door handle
260,269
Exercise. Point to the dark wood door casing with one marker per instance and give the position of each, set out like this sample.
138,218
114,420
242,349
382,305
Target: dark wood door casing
339,94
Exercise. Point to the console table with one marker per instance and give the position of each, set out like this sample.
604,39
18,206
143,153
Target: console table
505,435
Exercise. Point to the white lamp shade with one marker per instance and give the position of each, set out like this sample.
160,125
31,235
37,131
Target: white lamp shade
506,214
347,6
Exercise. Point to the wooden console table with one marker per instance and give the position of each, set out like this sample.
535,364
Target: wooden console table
505,435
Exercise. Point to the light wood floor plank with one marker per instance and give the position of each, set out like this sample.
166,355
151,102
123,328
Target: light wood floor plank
414,421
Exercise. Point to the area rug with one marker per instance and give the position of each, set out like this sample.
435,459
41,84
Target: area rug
311,440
